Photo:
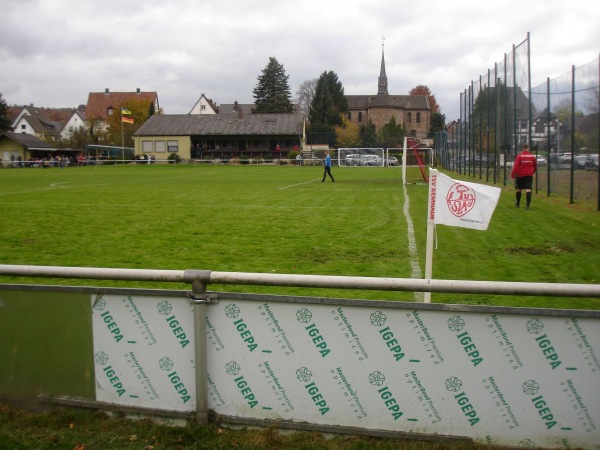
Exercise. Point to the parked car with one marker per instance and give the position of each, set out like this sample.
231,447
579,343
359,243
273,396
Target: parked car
541,161
352,159
580,161
370,160
564,158
592,162
392,161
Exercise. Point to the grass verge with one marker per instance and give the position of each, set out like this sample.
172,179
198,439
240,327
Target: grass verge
85,430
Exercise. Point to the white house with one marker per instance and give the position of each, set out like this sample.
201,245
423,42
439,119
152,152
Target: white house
75,122
36,122
204,106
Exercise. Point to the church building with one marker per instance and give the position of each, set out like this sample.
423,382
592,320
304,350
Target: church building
411,111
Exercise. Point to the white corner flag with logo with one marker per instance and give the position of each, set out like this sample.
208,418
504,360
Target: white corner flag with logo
456,204
460,203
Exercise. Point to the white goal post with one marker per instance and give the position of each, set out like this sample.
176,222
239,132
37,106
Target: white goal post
417,157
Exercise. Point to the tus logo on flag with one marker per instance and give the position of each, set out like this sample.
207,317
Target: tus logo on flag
460,203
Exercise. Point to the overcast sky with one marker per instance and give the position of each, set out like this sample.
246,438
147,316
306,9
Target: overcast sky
54,52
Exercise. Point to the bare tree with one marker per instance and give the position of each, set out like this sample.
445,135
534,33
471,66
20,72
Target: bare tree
306,93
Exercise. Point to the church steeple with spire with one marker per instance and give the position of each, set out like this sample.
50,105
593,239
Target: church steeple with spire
382,88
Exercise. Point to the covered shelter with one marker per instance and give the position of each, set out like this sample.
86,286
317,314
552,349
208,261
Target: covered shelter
222,136
17,149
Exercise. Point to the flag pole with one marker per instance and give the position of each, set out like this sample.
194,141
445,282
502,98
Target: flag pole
430,230
122,138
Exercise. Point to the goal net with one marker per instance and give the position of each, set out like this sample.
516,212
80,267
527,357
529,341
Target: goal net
416,160
361,157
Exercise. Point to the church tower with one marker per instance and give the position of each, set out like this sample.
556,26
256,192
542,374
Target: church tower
382,88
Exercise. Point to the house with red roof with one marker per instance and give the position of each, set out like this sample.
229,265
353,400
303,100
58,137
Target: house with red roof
102,105
37,122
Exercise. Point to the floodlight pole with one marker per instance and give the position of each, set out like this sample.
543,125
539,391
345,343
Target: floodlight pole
122,138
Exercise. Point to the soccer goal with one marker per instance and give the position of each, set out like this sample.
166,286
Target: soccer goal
363,157
416,160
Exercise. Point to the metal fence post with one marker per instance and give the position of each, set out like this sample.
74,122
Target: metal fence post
199,297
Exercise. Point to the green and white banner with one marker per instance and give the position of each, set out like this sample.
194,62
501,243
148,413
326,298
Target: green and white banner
144,352
498,378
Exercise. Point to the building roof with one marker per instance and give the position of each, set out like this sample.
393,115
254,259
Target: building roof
234,108
387,101
99,102
222,125
543,115
27,140
246,108
81,113
39,120
209,101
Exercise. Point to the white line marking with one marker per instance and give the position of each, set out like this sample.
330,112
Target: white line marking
111,183
298,184
412,245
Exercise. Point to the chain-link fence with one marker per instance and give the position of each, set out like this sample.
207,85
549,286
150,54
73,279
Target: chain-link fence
559,119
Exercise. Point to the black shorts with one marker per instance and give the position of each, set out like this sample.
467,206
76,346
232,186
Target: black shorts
524,182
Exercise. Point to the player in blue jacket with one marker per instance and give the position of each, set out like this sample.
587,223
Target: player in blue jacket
327,165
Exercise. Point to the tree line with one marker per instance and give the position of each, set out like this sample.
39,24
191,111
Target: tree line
322,100
324,103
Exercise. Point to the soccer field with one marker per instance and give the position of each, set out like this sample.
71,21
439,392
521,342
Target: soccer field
283,219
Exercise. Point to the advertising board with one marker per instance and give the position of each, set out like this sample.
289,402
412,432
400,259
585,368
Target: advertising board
144,351
524,379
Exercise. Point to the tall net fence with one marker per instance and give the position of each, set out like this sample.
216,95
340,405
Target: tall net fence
559,119
565,133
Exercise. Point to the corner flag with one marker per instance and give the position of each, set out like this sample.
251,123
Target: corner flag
456,204
460,203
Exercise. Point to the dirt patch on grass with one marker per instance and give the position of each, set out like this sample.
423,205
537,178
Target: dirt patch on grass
547,250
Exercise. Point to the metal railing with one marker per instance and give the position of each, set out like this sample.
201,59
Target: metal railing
207,277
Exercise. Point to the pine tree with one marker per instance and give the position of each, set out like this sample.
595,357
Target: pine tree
327,109
272,93
329,103
438,122
392,134
368,135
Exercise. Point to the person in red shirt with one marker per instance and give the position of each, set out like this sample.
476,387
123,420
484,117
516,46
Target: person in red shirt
522,172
